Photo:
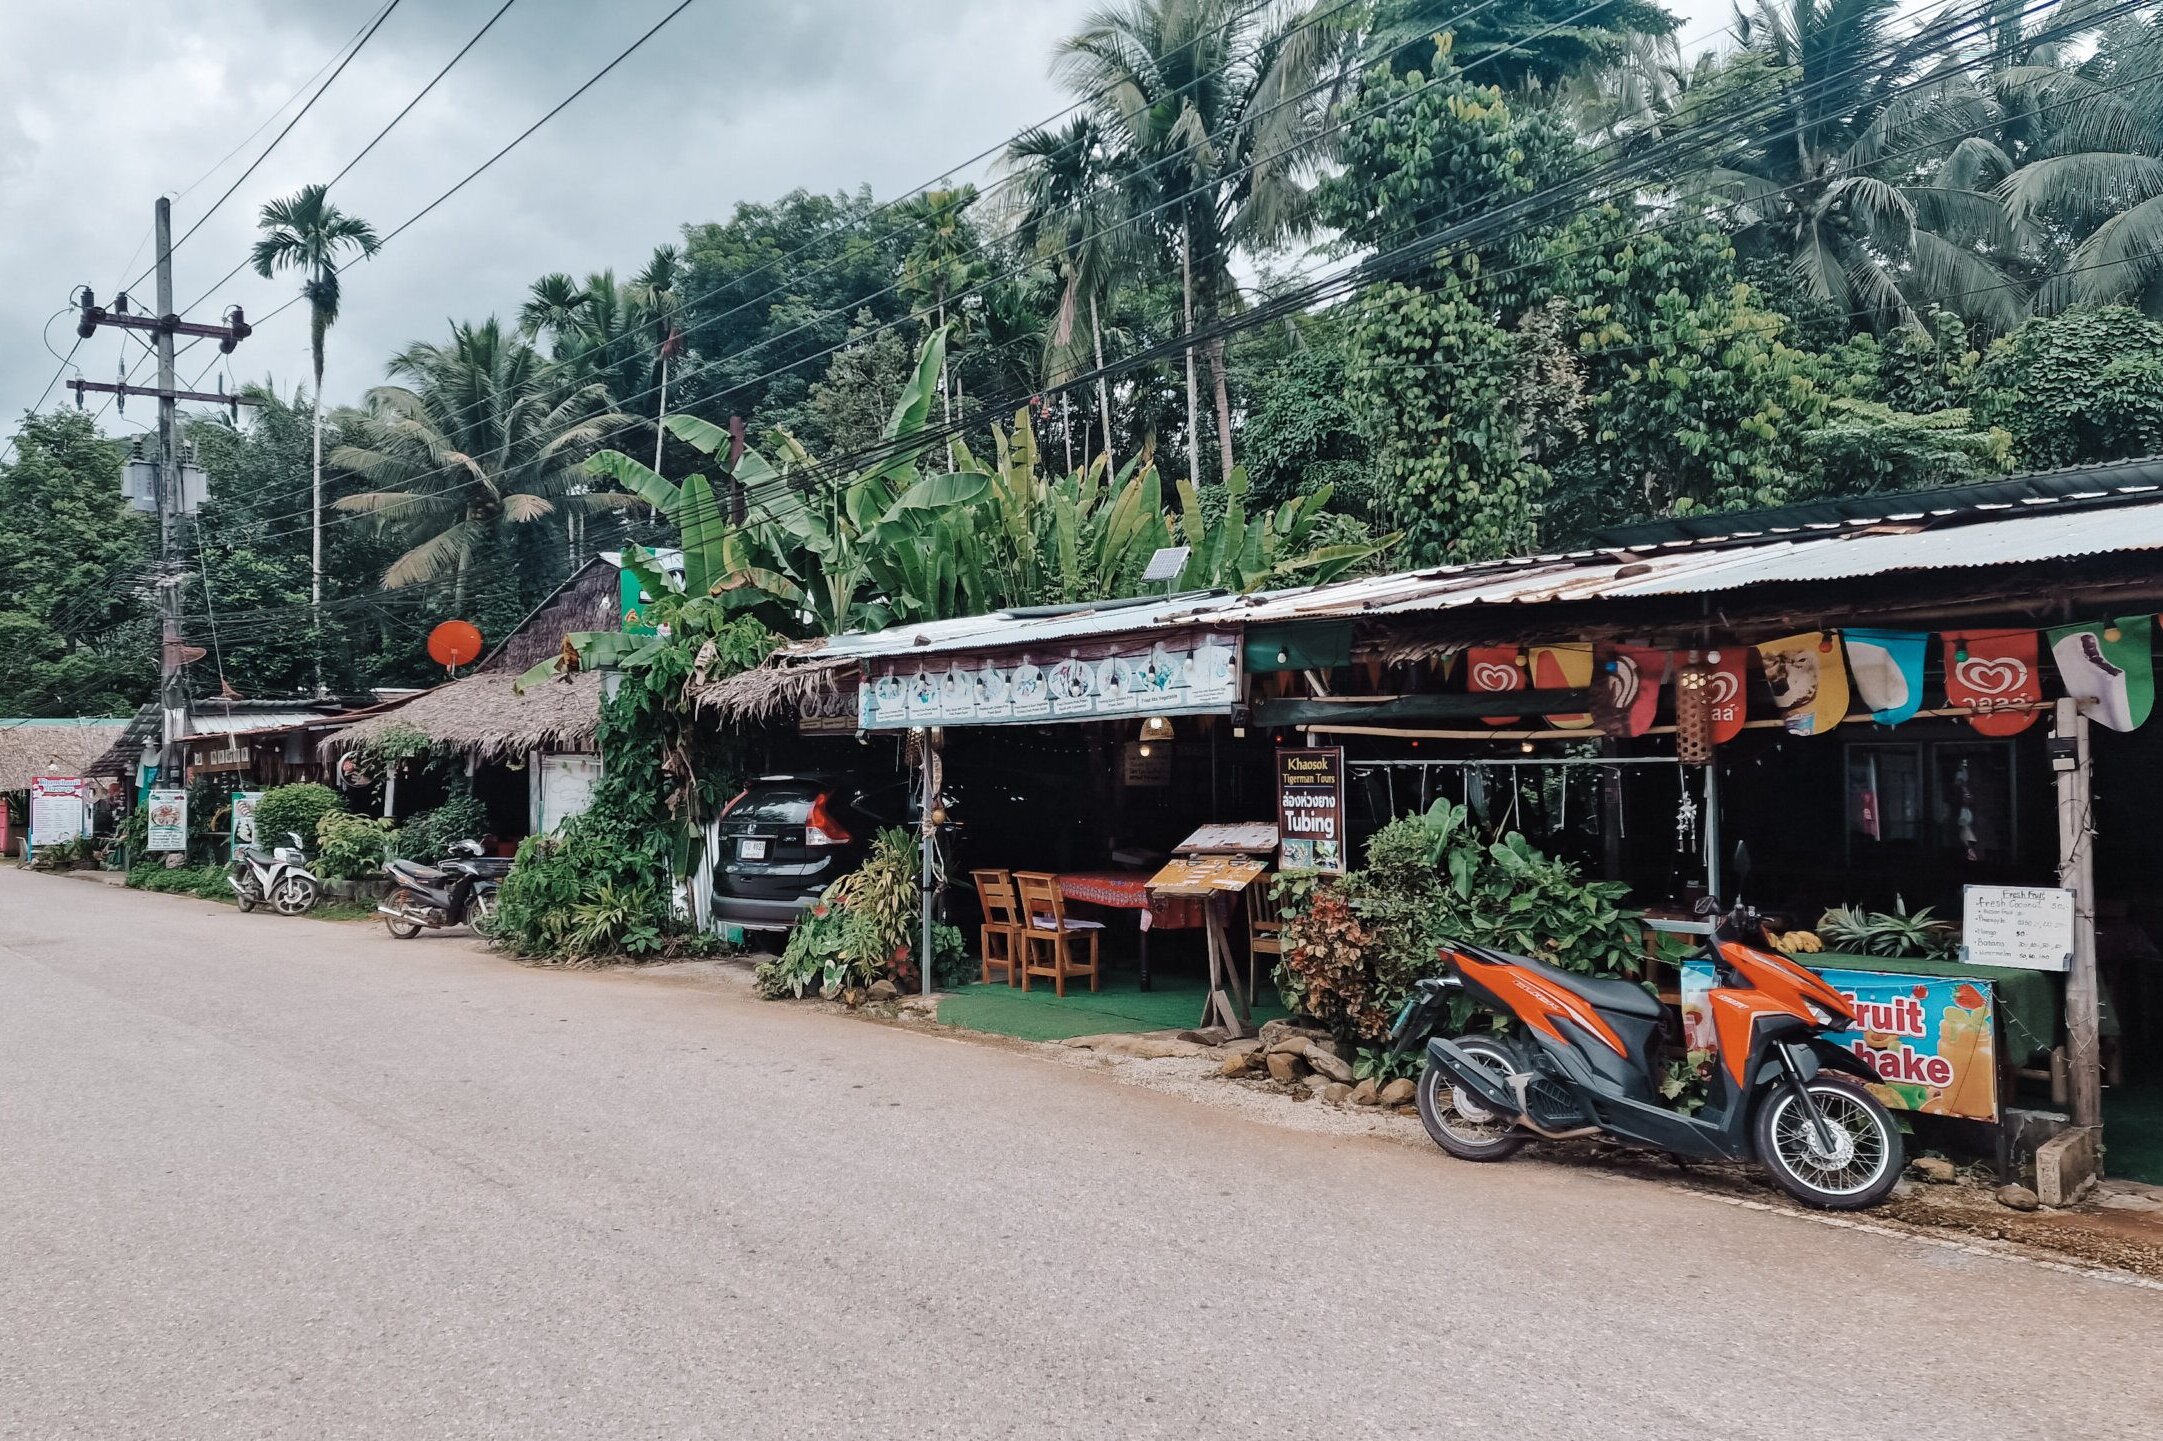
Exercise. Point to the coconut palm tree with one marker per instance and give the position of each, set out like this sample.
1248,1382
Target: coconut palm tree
477,439
1215,109
305,232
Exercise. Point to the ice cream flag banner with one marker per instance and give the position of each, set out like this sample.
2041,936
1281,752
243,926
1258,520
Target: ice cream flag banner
1563,667
1888,669
1995,675
1626,688
1494,668
2108,661
1730,702
1808,683
1930,1039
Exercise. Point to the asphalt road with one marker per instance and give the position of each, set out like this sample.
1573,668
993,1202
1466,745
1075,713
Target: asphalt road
270,1178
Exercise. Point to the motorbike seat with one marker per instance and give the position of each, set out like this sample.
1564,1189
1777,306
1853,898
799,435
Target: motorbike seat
1624,998
416,871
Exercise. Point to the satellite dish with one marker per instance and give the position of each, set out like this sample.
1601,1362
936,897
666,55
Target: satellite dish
454,643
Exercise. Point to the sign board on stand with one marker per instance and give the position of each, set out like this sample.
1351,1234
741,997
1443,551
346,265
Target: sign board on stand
168,820
2028,928
1216,863
59,810
244,819
1310,809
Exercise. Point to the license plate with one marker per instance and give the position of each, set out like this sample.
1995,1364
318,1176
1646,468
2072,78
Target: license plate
751,850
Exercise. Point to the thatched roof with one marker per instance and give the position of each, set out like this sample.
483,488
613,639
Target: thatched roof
480,716
589,600
32,748
776,690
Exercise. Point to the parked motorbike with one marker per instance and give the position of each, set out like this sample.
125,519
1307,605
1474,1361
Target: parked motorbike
459,890
1580,1056
277,877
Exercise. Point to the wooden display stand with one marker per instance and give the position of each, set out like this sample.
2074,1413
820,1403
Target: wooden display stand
1217,863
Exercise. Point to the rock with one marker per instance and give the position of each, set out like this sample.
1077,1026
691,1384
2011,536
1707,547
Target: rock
884,991
2017,1198
1286,1046
1284,1069
1275,1031
1244,1046
1396,1093
1935,1169
1327,1064
1149,1046
1336,1093
1237,1065
1366,1093
1206,1036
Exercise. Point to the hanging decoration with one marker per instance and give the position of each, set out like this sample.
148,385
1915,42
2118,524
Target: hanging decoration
1626,688
1808,682
1495,668
2109,662
1695,686
1994,675
1888,670
1564,667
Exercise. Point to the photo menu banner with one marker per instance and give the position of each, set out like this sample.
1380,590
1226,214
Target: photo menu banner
1194,676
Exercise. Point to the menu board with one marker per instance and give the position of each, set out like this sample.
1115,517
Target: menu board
1310,809
58,810
168,820
2027,927
1188,678
244,818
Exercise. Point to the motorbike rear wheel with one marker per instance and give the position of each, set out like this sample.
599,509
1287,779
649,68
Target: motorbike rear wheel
1864,1162
247,895
398,926
481,910
1456,1120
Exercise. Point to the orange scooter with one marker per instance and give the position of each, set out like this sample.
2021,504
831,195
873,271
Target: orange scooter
1581,1056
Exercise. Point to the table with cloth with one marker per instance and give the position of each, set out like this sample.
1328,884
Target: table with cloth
1129,891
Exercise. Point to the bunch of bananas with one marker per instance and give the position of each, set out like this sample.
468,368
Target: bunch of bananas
1793,943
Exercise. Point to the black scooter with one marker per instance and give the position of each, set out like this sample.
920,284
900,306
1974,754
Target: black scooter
460,890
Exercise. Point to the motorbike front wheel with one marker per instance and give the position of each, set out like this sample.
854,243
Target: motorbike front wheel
1454,1117
398,926
1860,1165
293,895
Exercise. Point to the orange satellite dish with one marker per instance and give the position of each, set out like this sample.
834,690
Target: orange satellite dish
454,643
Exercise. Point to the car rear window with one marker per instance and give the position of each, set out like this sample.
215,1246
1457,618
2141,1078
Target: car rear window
781,805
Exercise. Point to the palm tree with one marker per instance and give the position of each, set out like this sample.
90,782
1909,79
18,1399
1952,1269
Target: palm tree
305,232
1070,213
477,439
943,262
1831,152
1217,108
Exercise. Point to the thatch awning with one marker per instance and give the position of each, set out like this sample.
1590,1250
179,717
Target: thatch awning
776,690
32,748
482,717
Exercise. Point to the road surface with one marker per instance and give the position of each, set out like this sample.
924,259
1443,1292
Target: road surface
288,1178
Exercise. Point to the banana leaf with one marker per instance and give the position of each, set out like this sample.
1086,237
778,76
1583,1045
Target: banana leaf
661,494
704,535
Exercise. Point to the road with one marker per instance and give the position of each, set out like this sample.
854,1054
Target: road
270,1178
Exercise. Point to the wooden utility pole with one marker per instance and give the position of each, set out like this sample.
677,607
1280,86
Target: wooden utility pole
172,498
2076,873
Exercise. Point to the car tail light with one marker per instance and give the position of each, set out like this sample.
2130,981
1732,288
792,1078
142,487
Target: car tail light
821,829
735,801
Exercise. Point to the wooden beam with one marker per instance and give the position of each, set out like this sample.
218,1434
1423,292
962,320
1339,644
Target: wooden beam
1318,711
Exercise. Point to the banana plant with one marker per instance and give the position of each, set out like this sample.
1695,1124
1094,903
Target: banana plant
1243,553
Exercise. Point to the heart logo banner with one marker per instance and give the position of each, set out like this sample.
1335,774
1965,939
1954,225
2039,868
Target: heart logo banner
1730,695
1626,688
1564,667
1888,669
1995,676
1494,668
1808,682
2109,662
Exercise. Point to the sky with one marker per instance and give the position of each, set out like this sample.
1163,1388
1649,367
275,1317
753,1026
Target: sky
104,104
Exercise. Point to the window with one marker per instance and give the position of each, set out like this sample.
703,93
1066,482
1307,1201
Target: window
1950,802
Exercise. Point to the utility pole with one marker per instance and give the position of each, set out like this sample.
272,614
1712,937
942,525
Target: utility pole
172,499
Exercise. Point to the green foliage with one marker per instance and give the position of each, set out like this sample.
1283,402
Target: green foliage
1353,952
1897,933
2075,388
1864,447
1381,1065
295,809
429,835
865,928
207,882
350,847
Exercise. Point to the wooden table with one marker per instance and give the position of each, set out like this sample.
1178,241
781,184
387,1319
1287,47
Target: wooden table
1129,891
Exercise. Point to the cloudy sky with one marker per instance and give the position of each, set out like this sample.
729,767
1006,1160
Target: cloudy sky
106,103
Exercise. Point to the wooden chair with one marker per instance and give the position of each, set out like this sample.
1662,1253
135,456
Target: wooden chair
1265,931
1048,938
1000,938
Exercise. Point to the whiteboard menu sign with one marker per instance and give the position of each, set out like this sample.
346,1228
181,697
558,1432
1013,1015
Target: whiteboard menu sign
59,810
2029,928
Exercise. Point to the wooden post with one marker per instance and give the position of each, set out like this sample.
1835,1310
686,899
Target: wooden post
2076,872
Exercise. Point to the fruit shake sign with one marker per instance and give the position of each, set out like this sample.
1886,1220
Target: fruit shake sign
1931,1039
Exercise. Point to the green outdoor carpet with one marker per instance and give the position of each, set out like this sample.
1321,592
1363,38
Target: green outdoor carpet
2133,1133
1174,1003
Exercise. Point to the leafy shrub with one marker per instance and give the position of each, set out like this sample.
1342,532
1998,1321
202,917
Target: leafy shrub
588,891
864,929
1353,952
296,809
429,835
350,847
205,881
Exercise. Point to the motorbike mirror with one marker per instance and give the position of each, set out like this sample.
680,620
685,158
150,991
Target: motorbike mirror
294,837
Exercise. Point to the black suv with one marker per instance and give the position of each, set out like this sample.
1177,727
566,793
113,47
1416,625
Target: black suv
785,839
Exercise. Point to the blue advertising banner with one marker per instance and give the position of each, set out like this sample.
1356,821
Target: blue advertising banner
1931,1039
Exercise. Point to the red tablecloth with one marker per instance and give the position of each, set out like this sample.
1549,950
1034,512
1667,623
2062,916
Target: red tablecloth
1129,891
